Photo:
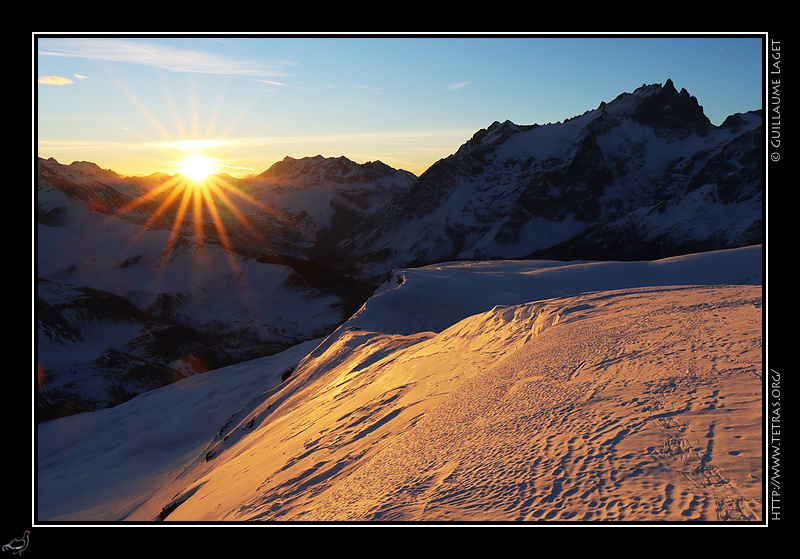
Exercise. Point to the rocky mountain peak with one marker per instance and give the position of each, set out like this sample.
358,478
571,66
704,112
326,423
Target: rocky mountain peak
668,110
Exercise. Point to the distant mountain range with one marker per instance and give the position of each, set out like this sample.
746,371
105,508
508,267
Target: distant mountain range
131,296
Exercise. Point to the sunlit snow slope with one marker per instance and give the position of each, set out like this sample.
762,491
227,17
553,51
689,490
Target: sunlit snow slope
498,391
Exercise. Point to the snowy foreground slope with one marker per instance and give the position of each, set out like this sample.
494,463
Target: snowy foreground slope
496,391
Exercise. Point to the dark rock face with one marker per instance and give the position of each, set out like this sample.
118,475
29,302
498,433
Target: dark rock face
673,111
736,169
574,189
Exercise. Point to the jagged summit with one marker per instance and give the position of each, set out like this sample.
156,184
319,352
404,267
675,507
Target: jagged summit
663,108
673,110
656,105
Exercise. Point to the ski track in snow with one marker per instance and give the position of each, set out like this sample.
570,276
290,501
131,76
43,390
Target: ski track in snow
638,404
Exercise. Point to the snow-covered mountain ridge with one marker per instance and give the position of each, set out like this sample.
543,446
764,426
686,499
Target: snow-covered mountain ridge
186,302
644,176
307,241
479,392
317,194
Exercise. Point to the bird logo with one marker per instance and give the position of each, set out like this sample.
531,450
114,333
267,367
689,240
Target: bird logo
18,545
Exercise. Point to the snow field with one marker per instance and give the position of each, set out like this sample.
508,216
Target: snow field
622,402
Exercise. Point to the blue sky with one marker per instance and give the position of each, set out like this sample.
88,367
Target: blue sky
125,102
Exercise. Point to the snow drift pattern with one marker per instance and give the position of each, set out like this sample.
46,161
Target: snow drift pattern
634,402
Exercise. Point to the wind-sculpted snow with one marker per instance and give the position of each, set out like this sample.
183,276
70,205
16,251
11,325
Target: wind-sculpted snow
605,395
442,294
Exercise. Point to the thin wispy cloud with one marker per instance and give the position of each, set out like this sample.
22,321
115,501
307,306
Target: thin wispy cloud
60,80
54,80
271,82
458,85
147,53
282,85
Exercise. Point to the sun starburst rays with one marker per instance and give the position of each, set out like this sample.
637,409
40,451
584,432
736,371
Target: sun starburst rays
201,230
192,203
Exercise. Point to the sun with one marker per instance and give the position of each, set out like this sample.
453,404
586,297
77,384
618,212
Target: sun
197,198
197,167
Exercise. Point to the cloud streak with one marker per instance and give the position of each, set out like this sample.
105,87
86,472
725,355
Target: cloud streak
54,80
281,84
147,53
458,85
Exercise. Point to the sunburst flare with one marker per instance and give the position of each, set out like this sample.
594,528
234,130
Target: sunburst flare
196,196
